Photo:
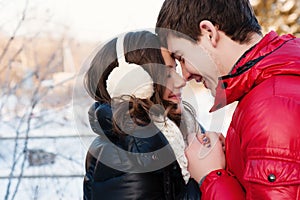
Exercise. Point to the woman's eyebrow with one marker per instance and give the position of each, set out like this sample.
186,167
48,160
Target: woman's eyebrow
172,66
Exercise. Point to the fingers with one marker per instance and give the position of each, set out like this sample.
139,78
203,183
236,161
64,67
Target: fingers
204,139
221,137
203,146
194,144
222,140
205,142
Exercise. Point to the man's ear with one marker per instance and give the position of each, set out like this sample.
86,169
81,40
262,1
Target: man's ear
210,31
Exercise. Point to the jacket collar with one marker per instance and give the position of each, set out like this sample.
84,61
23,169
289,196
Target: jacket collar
100,118
257,64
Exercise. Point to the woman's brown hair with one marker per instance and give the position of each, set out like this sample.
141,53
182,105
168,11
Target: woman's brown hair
142,48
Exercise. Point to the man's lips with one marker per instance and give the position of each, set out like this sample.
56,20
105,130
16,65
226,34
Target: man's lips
204,83
197,78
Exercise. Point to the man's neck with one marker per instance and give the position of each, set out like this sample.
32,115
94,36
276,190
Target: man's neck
236,50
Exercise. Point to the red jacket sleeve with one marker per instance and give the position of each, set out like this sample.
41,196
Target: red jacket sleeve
220,185
263,141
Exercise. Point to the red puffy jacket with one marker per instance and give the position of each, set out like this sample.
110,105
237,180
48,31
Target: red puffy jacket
263,139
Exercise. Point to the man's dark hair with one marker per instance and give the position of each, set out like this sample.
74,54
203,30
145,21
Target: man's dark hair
234,17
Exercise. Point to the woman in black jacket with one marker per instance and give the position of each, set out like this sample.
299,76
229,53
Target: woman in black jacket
141,122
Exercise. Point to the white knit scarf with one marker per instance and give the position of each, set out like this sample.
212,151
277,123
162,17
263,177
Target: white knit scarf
175,139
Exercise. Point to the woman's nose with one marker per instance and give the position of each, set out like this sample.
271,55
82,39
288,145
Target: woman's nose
179,81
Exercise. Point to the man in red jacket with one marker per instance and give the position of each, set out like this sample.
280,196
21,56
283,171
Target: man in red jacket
220,43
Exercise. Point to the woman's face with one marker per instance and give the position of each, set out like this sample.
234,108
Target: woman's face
174,82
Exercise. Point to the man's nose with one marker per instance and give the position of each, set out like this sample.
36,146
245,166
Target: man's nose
186,74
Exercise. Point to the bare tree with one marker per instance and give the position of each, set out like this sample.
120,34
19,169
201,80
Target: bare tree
24,70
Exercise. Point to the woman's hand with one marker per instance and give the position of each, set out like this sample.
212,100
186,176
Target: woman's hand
205,154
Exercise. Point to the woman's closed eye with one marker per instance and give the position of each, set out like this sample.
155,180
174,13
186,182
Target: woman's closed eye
170,71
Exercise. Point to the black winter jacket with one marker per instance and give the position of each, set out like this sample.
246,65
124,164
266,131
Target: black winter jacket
132,166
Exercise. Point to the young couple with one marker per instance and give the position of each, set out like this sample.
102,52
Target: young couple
150,145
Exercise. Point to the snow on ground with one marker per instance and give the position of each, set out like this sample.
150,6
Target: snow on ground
46,189
62,179
55,134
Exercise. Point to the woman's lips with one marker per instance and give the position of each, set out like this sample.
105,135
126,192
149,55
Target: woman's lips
175,97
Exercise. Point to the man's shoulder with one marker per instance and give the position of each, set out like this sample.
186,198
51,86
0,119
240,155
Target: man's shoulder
281,86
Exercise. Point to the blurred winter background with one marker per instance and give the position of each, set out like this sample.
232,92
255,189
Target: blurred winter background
44,45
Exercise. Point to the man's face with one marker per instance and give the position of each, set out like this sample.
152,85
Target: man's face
196,62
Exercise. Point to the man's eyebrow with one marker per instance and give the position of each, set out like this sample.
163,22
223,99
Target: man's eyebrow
176,55
173,55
